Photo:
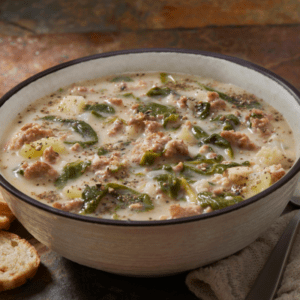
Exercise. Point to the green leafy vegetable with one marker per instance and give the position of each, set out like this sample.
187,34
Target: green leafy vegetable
228,120
256,116
71,171
125,196
156,109
149,157
214,139
81,127
237,102
198,132
130,95
97,115
122,78
217,140
92,197
19,170
169,184
170,118
212,167
200,159
202,110
100,107
164,78
122,194
102,151
217,202
159,91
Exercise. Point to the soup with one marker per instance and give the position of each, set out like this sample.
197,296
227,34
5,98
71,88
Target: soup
147,146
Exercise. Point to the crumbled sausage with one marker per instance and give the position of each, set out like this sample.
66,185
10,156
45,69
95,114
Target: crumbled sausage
178,168
81,89
238,139
261,122
178,211
136,206
39,169
152,126
143,121
135,106
115,101
72,205
182,102
215,102
113,165
218,105
138,119
116,128
176,147
50,156
153,141
276,172
204,149
188,125
28,133
101,161
212,96
218,190
76,147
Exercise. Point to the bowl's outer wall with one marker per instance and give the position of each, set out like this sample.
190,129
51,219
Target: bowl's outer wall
154,249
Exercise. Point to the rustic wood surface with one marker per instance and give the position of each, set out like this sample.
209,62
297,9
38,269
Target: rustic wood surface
35,35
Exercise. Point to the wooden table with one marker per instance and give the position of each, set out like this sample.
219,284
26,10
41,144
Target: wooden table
45,33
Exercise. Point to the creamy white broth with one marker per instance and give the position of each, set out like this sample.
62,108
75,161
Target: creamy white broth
264,152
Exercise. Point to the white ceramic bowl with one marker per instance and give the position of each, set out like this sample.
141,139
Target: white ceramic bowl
154,248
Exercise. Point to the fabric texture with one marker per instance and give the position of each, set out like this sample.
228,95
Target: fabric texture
232,277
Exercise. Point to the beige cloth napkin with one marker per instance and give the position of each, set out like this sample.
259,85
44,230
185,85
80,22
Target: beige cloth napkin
232,277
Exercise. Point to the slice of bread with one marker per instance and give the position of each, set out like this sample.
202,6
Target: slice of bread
5,221
19,261
6,215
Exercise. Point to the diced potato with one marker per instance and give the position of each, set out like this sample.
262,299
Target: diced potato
257,183
72,192
72,104
267,156
36,149
133,131
186,135
201,185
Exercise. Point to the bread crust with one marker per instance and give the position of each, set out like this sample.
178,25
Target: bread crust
19,261
6,215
